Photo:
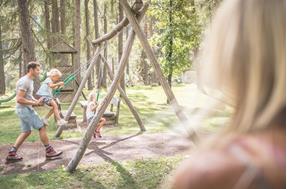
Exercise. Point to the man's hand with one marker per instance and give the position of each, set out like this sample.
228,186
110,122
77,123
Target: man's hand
39,102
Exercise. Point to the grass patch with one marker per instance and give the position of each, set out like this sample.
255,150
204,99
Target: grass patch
136,174
150,102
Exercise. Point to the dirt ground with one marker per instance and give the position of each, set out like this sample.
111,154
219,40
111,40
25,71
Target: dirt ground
110,149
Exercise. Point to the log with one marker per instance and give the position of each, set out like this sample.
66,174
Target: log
117,28
80,89
125,97
103,106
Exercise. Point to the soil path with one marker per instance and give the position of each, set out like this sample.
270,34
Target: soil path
110,149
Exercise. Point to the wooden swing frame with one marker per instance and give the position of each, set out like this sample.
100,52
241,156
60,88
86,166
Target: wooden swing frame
133,17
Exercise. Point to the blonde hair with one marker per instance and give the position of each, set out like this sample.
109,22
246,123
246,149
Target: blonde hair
54,72
92,96
243,57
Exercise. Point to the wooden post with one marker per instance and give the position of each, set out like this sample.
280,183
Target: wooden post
103,106
151,56
80,89
125,97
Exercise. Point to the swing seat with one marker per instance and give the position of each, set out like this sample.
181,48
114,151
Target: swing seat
72,122
109,114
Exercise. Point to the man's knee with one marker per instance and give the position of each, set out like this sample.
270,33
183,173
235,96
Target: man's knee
27,133
42,129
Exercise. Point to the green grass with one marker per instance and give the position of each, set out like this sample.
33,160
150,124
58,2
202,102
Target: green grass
157,117
149,101
138,174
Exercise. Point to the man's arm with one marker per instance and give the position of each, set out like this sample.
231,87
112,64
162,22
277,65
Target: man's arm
20,98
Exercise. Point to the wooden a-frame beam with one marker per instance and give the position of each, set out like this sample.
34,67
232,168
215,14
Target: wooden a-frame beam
95,59
103,106
125,97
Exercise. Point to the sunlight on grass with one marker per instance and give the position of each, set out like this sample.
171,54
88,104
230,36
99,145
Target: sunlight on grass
150,102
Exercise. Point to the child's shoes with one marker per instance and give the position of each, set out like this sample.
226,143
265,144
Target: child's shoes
62,122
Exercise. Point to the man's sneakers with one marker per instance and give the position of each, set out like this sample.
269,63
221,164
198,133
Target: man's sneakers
13,157
61,122
51,153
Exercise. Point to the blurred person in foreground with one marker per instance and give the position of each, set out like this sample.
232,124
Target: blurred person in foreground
243,58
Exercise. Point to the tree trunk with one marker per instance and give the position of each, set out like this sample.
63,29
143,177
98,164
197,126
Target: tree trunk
87,18
128,65
96,26
120,44
63,16
104,81
77,37
28,48
48,29
144,68
170,46
55,21
2,73
143,71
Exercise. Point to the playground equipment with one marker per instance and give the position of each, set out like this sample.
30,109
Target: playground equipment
133,17
111,116
63,58
9,98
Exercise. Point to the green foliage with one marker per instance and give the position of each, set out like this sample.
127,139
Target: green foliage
177,21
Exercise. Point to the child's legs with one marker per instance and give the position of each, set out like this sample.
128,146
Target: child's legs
49,114
55,109
101,124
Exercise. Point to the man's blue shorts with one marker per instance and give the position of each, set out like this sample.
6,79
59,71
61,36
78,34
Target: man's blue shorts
29,119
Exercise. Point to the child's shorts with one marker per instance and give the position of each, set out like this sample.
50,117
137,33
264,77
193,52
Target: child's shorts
29,119
47,100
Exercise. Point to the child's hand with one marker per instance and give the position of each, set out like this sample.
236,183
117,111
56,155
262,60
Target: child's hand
61,84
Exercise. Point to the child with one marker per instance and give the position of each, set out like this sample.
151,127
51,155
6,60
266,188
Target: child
91,109
45,91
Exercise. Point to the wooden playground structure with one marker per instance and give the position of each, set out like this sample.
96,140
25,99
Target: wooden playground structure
133,17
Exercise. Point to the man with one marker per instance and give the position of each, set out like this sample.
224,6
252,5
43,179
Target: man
28,117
